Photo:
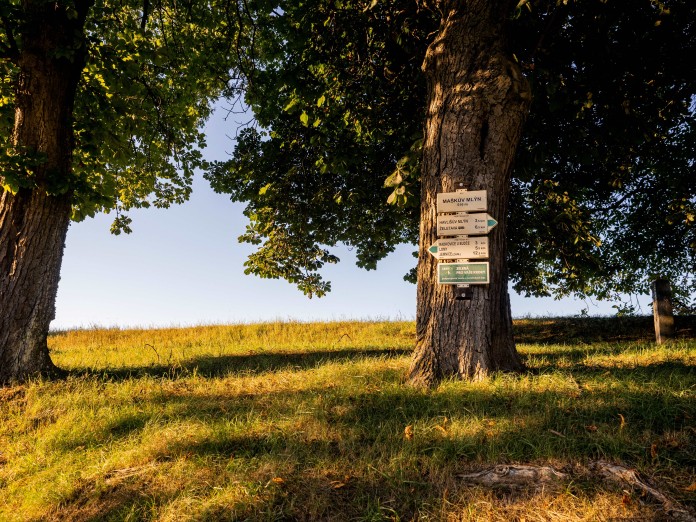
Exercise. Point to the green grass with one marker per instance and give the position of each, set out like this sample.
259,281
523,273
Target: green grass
292,421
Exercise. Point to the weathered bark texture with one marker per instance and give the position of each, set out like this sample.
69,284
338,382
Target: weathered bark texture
34,222
477,103
518,475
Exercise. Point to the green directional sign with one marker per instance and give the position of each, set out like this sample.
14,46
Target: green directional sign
463,273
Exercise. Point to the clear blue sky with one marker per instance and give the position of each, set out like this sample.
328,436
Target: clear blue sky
183,266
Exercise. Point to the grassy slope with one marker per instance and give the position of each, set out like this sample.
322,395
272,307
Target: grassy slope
297,421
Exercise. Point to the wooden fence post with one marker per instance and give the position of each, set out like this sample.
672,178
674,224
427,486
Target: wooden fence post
662,310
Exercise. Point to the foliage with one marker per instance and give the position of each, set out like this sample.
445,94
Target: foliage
153,70
603,197
309,422
339,95
604,192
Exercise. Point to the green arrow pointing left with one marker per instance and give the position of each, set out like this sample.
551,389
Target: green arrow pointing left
433,249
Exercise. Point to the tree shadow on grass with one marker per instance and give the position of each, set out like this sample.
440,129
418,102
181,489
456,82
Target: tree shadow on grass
210,366
302,476
586,360
320,438
641,415
563,330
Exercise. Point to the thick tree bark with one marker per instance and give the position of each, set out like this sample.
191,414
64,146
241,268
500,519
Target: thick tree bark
32,234
478,101
34,221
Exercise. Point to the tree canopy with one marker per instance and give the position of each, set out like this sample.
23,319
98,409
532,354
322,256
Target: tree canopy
338,97
603,192
152,73
101,105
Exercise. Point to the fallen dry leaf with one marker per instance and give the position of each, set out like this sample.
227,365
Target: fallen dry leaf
277,480
653,450
692,487
408,432
623,422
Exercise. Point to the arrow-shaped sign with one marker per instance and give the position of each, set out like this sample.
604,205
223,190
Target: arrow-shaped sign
469,248
462,225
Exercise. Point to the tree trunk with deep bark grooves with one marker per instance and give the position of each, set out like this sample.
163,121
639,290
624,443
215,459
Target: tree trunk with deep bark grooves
34,222
477,103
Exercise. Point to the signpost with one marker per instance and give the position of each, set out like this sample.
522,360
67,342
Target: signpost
460,248
457,225
454,220
463,273
464,201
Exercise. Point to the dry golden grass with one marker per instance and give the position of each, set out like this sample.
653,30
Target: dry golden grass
291,421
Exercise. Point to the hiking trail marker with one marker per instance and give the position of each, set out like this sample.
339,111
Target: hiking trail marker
462,201
460,248
453,253
464,224
463,273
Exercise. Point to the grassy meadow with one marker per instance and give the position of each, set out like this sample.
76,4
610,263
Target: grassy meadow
292,421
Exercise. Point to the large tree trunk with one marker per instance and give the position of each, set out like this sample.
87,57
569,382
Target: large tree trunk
477,103
35,220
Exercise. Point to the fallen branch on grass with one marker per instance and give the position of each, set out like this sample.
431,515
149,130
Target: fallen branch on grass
516,476
616,473
526,476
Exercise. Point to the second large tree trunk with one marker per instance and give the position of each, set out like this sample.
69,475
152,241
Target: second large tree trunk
35,220
477,103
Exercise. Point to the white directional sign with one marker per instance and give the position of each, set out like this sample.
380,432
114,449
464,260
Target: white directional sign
470,224
469,248
465,201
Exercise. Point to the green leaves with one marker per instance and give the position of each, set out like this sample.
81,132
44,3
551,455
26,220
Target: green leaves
291,104
604,174
609,127
140,147
330,87
143,97
405,176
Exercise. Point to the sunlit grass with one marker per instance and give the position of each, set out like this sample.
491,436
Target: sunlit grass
309,422
100,350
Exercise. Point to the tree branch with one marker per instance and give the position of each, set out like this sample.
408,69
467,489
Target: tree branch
146,14
554,23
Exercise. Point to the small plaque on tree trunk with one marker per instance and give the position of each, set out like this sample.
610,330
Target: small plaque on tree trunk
465,201
463,273
460,248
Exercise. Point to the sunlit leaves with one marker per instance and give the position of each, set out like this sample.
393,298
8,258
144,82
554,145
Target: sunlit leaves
147,88
603,197
405,177
332,88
